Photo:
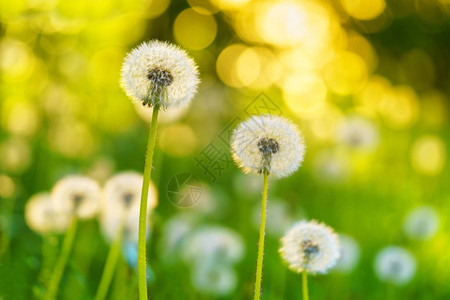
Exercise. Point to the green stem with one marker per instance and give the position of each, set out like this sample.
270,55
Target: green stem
262,230
110,265
142,267
305,285
62,260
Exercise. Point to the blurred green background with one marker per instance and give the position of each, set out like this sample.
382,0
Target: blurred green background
367,82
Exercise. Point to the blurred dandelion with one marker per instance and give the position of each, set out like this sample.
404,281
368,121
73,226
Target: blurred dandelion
42,217
214,279
213,242
175,235
120,218
158,75
421,223
395,265
280,217
350,254
358,133
79,198
310,247
266,145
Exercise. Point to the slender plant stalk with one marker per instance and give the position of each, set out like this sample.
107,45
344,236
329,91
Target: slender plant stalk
62,260
262,232
305,285
111,262
142,267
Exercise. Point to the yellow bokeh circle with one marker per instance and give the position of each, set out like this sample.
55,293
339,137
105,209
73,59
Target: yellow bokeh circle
428,155
193,30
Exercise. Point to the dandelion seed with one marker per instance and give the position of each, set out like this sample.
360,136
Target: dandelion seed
268,143
396,265
350,254
77,195
310,246
41,216
218,243
421,223
159,74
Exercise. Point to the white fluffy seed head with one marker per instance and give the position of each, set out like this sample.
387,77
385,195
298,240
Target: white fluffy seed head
268,142
396,265
41,216
159,73
421,223
310,246
78,196
120,204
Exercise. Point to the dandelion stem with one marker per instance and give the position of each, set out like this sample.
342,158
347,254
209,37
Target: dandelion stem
305,285
110,265
262,230
62,260
142,268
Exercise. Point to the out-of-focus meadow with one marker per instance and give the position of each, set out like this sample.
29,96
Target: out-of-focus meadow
367,83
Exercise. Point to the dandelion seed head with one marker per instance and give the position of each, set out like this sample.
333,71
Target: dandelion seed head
218,243
268,142
396,265
310,246
421,223
121,201
159,73
77,195
41,216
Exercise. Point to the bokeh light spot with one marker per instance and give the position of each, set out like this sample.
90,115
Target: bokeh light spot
428,155
193,30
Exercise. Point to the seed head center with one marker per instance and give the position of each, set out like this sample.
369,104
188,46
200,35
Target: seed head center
309,248
268,146
160,77
127,198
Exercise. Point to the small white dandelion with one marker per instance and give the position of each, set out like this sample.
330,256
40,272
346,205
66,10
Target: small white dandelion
218,243
350,254
421,223
214,279
310,246
77,195
159,74
121,199
358,132
269,143
41,216
396,265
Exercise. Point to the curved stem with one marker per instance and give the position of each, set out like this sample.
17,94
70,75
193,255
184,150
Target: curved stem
62,260
305,285
262,231
110,265
142,268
